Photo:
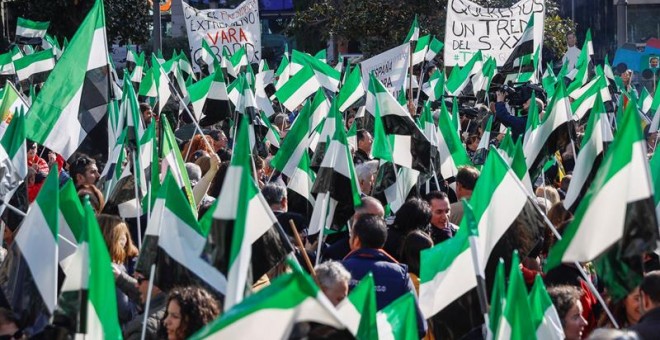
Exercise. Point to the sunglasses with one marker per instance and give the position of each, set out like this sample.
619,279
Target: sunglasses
141,279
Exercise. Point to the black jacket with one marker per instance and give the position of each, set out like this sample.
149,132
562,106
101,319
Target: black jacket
648,326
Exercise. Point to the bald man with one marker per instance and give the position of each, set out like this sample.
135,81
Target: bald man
341,248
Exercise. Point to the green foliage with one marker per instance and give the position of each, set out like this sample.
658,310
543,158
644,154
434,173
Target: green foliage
381,24
64,15
168,46
377,24
126,20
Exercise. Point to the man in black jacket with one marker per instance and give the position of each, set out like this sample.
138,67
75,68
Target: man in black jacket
133,329
648,326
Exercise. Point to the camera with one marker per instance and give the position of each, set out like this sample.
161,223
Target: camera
518,95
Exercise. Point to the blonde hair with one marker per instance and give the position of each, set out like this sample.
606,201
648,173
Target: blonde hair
549,193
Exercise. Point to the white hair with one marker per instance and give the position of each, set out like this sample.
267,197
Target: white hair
331,273
365,170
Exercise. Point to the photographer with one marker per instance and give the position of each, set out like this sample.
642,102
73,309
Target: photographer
517,124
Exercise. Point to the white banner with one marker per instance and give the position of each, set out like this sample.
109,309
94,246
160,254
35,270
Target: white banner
494,31
224,28
390,67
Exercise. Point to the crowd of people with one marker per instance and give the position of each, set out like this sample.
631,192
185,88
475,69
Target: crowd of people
375,240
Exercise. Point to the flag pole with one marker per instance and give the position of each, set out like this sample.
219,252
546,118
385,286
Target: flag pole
192,117
590,284
13,208
147,303
137,201
319,241
421,79
301,248
412,105
481,276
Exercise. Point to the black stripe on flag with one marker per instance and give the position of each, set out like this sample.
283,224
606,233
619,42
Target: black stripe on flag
299,204
420,147
215,111
587,182
340,189
524,234
21,294
559,139
93,113
621,268
523,49
268,251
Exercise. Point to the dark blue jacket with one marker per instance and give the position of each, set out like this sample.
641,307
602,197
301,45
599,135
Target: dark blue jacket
390,278
517,124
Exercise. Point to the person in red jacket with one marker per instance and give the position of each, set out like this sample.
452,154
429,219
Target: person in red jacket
34,161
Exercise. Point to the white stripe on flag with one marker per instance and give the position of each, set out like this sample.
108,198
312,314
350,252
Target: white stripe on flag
587,244
36,67
39,249
437,294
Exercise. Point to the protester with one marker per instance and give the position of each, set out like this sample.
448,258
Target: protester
364,144
333,280
94,195
188,310
441,229
157,306
648,326
367,256
466,180
147,113
123,254
197,143
9,325
573,52
366,176
415,214
566,300
626,311
340,248
34,161
83,170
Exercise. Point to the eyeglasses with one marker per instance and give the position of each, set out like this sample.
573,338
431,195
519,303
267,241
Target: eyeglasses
141,279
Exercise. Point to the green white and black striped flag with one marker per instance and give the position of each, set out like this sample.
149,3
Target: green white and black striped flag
545,319
30,270
302,85
88,292
618,208
70,112
327,76
597,136
358,309
241,206
351,91
289,299
37,65
30,32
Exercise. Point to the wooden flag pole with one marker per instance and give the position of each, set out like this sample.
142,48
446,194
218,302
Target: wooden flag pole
301,248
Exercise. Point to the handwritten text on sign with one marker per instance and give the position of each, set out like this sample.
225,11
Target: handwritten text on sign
224,28
494,31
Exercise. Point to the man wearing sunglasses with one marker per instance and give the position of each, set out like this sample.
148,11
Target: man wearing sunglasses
133,329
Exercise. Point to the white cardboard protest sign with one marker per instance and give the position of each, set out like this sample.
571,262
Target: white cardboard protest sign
494,31
224,28
390,67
